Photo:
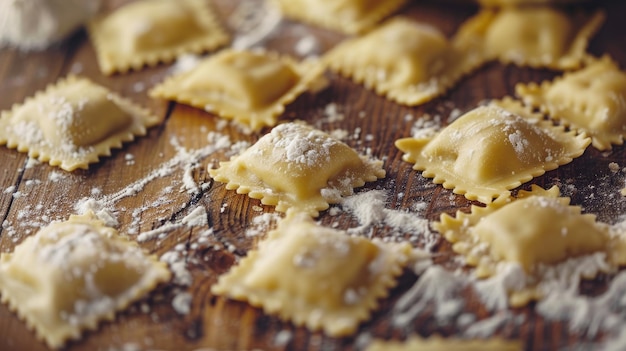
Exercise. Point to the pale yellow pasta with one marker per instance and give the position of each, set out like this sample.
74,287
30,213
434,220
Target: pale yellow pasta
436,343
252,88
71,275
348,16
592,100
539,228
536,36
297,167
72,123
318,277
406,61
490,150
147,32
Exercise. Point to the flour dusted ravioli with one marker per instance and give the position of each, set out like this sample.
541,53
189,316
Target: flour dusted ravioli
592,100
73,123
536,36
349,16
490,150
537,229
319,277
147,32
436,343
71,275
249,87
408,62
296,166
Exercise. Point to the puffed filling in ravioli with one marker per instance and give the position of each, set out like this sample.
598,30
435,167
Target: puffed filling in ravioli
71,275
147,32
318,277
72,123
252,88
298,167
348,16
536,36
490,150
534,230
592,100
406,61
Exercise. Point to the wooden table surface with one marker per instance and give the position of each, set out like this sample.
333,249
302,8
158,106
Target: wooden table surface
32,195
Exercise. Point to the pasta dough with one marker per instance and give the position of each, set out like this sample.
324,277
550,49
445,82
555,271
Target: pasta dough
314,276
592,100
490,150
417,63
147,32
538,228
536,36
436,343
249,87
73,123
349,16
297,167
71,275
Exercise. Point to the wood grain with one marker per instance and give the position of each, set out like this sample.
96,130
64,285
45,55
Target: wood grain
220,324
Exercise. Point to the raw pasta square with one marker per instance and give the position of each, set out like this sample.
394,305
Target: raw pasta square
71,275
538,228
297,167
318,277
72,123
406,61
252,88
348,16
147,32
492,149
536,36
592,100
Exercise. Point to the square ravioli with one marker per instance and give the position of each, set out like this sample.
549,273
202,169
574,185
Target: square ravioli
71,275
147,32
348,16
592,100
437,343
537,229
318,277
536,36
492,149
298,167
73,123
417,64
252,88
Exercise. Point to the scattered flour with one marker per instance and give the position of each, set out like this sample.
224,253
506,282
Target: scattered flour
253,23
369,209
37,24
182,303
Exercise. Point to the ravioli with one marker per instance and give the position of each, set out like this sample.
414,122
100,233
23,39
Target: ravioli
318,277
252,88
490,150
437,343
537,229
536,36
71,275
73,123
297,167
406,61
348,16
591,100
147,32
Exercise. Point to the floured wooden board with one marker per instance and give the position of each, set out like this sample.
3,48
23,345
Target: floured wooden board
157,192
